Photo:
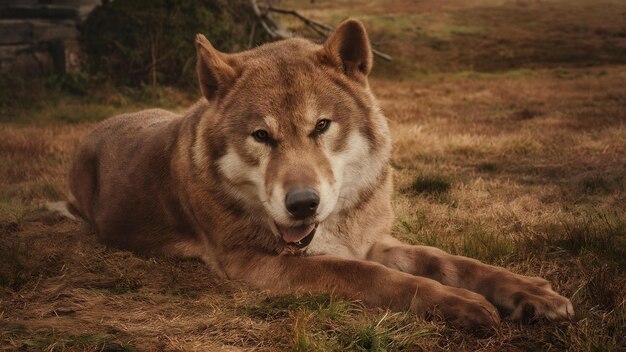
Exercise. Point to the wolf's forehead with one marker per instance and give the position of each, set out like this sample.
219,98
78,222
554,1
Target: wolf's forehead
285,77
287,50
306,112
285,94
292,91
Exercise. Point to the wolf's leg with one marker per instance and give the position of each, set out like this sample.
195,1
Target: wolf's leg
372,283
520,297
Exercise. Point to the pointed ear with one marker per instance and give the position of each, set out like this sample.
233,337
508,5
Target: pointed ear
348,48
215,74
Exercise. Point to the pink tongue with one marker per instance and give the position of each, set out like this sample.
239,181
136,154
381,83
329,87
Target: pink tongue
295,234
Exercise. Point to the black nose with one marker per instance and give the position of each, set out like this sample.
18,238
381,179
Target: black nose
302,203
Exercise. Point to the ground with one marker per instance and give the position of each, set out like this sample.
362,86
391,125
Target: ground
509,122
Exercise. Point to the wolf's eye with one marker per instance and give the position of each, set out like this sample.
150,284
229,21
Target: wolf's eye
261,136
322,126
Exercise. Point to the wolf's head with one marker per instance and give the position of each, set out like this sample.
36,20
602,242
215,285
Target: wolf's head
295,131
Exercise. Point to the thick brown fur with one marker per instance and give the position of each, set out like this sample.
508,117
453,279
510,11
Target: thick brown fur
201,184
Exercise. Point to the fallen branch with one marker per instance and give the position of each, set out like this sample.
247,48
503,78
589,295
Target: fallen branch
277,31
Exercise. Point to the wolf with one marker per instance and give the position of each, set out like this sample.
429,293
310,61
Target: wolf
280,177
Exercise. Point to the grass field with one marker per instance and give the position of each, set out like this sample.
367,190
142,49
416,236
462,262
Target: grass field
509,121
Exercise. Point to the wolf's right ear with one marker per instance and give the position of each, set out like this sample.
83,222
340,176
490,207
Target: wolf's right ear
215,73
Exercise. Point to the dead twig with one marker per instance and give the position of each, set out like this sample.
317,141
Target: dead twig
273,28
277,31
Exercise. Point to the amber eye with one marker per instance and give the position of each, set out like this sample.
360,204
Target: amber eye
261,136
322,126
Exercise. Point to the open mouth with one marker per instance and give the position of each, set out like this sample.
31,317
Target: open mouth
297,236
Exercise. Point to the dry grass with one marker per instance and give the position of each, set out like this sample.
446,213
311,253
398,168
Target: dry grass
523,167
483,35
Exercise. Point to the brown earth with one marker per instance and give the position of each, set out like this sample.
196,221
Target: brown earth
520,163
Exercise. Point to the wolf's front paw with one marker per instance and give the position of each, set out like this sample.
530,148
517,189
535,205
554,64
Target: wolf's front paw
466,309
527,298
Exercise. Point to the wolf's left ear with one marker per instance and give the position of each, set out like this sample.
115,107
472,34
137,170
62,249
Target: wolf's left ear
348,48
215,71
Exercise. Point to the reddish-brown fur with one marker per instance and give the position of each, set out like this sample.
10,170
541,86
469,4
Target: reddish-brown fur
157,182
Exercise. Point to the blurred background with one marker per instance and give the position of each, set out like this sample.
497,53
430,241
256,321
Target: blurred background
509,127
117,49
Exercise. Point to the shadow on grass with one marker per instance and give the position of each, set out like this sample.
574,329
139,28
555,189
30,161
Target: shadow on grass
599,234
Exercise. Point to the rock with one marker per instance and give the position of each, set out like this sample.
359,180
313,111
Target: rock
39,11
70,2
15,32
41,36
84,6
25,60
18,3
46,31
85,10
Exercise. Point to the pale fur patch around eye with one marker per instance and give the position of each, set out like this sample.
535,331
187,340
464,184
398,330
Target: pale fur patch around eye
247,181
272,125
311,112
259,150
332,133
